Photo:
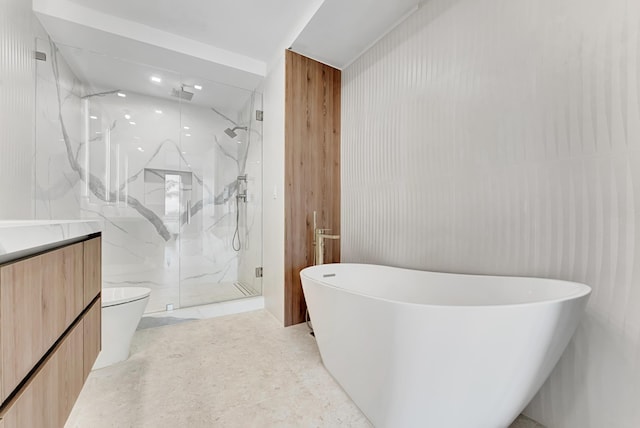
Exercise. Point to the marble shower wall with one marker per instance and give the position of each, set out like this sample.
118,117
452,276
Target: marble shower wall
149,242
135,163
58,104
503,137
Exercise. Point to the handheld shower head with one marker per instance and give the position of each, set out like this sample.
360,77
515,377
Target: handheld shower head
232,132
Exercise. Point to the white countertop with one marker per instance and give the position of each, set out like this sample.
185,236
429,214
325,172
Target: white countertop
19,238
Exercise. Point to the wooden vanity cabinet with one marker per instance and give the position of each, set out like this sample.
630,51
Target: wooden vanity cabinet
39,298
92,337
92,270
49,332
48,397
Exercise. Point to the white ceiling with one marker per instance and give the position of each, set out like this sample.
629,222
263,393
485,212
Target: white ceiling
248,27
122,42
340,31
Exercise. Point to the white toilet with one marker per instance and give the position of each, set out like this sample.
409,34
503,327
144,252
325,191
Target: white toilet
122,309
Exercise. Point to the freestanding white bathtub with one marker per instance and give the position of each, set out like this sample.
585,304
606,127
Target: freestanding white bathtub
425,349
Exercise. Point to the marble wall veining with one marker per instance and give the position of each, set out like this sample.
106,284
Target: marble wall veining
58,103
503,137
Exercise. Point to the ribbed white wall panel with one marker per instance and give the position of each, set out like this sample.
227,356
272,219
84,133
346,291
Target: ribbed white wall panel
17,89
503,137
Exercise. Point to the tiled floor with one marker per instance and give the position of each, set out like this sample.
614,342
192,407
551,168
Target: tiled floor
235,371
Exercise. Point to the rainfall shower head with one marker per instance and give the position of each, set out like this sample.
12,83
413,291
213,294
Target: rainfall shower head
232,132
182,94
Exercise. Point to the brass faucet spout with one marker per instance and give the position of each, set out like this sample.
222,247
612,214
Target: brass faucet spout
319,235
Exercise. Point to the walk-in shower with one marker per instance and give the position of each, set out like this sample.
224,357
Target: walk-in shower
180,200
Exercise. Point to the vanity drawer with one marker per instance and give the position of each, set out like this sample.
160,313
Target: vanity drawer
46,400
40,297
92,324
92,269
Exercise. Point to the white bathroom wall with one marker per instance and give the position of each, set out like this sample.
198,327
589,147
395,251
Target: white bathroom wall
273,190
17,98
503,137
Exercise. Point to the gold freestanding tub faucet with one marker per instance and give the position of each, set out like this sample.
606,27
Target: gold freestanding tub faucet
319,235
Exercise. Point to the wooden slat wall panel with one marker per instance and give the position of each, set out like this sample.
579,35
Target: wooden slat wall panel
312,169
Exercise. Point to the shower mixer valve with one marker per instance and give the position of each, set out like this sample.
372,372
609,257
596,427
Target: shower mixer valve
242,193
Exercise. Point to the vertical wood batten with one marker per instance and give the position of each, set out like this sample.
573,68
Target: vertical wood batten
312,169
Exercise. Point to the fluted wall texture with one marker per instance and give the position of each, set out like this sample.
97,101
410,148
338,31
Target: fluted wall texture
17,92
503,137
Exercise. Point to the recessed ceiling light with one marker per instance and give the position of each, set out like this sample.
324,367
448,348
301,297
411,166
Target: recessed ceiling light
187,135
186,127
98,132
189,165
131,122
122,95
127,116
156,79
184,153
159,111
136,138
93,117
140,149
198,87
239,142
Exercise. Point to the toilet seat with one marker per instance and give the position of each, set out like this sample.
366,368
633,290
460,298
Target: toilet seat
120,295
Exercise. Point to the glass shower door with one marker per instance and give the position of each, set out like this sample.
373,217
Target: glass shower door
214,237
157,160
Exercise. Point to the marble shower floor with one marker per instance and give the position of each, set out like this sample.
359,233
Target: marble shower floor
234,371
191,294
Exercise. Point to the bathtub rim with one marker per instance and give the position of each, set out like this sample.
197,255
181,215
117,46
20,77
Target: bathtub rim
585,290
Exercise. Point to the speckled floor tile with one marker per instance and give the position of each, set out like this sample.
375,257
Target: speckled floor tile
234,371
